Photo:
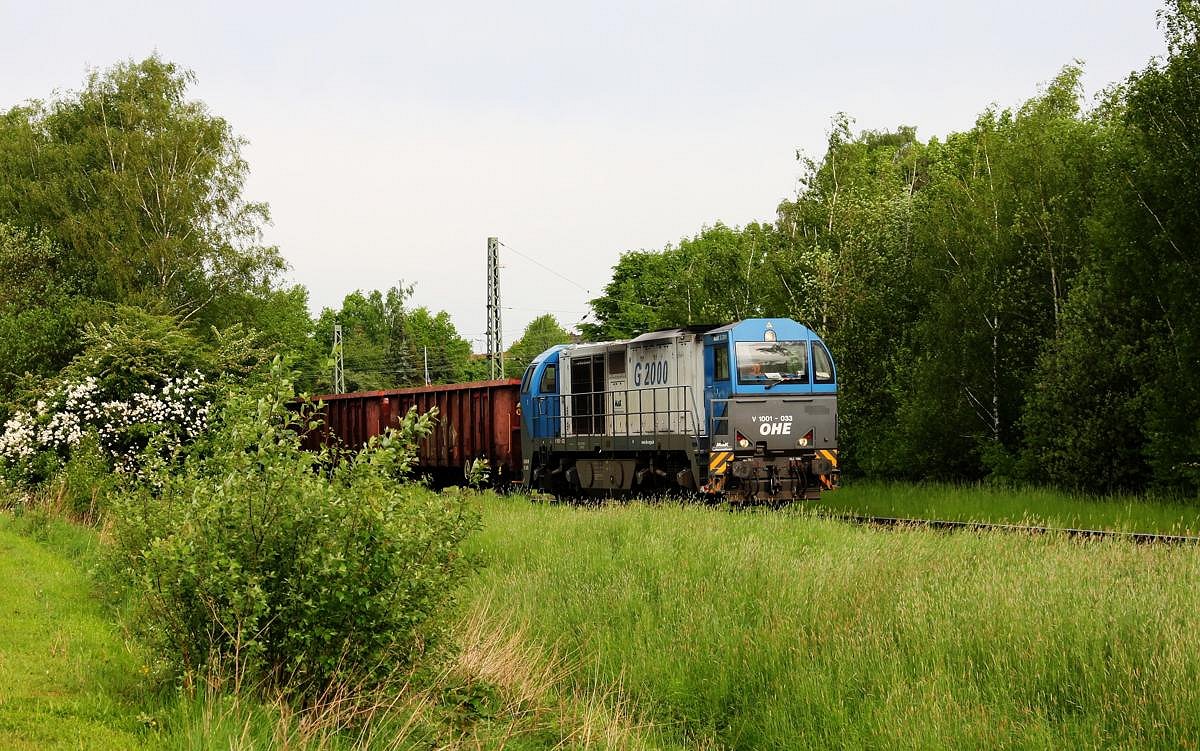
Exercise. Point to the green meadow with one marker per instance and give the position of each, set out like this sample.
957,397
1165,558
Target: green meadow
1036,506
784,630
674,627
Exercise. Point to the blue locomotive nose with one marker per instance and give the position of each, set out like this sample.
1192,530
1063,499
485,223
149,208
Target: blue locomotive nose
771,396
540,410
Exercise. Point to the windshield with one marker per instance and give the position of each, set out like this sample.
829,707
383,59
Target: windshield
764,362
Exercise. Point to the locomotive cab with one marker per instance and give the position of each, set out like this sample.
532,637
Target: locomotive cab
771,393
540,411
539,396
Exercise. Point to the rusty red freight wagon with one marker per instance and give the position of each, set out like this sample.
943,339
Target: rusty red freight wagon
479,420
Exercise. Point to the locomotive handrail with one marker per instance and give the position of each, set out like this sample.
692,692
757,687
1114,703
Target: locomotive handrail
719,416
598,408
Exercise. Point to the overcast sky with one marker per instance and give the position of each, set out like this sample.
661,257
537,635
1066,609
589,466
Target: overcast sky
392,139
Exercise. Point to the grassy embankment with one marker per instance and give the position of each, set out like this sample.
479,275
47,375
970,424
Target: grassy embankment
665,627
67,677
70,679
781,630
1037,506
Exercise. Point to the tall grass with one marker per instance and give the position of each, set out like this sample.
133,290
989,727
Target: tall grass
69,677
1041,506
663,627
771,630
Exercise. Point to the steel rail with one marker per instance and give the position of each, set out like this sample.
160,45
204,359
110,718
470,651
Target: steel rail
1141,538
1144,538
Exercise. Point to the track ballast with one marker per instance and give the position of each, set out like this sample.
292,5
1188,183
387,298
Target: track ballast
1144,538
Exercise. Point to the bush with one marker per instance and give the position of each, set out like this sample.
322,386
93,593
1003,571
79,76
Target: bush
85,480
141,378
253,556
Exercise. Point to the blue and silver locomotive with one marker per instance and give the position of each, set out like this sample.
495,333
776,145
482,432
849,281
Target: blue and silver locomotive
747,411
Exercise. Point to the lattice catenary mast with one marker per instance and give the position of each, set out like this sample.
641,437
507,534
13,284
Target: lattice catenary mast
495,341
339,366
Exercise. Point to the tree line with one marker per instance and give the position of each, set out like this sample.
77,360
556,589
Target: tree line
126,194
1017,301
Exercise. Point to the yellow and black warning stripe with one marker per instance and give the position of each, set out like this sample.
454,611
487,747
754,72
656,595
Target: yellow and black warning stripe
830,479
718,462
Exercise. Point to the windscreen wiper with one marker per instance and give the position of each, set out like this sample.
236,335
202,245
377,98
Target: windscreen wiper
793,379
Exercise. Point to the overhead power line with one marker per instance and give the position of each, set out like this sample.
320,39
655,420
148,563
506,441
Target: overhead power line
531,259
544,310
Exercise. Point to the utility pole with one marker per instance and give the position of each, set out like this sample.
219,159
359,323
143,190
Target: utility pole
495,341
339,366
427,381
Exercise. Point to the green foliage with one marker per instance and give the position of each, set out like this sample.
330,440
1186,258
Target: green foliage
128,193
141,186
141,380
40,314
86,480
714,277
1001,241
542,333
628,305
435,335
1116,405
278,318
384,344
850,230
135,347
252,558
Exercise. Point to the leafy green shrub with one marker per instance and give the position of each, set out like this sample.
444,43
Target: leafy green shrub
141,377
86,479
253,556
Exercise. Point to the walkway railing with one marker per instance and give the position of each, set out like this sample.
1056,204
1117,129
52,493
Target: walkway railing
629,412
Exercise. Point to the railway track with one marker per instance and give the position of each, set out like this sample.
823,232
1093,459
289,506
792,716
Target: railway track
1144,538
1141,538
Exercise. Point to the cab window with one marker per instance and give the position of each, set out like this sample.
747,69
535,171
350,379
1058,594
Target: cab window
721,363
763,362
822,364
528,377
549,379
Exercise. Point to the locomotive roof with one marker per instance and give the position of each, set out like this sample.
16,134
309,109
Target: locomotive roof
651,336
665,334
728,327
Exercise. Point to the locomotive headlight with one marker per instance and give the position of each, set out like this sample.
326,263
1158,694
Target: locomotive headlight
802,441
744,442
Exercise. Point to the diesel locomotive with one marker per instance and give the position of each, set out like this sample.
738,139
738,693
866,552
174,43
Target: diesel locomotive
746,412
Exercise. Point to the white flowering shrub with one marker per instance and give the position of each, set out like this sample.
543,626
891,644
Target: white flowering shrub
142,380
18,442
169,413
